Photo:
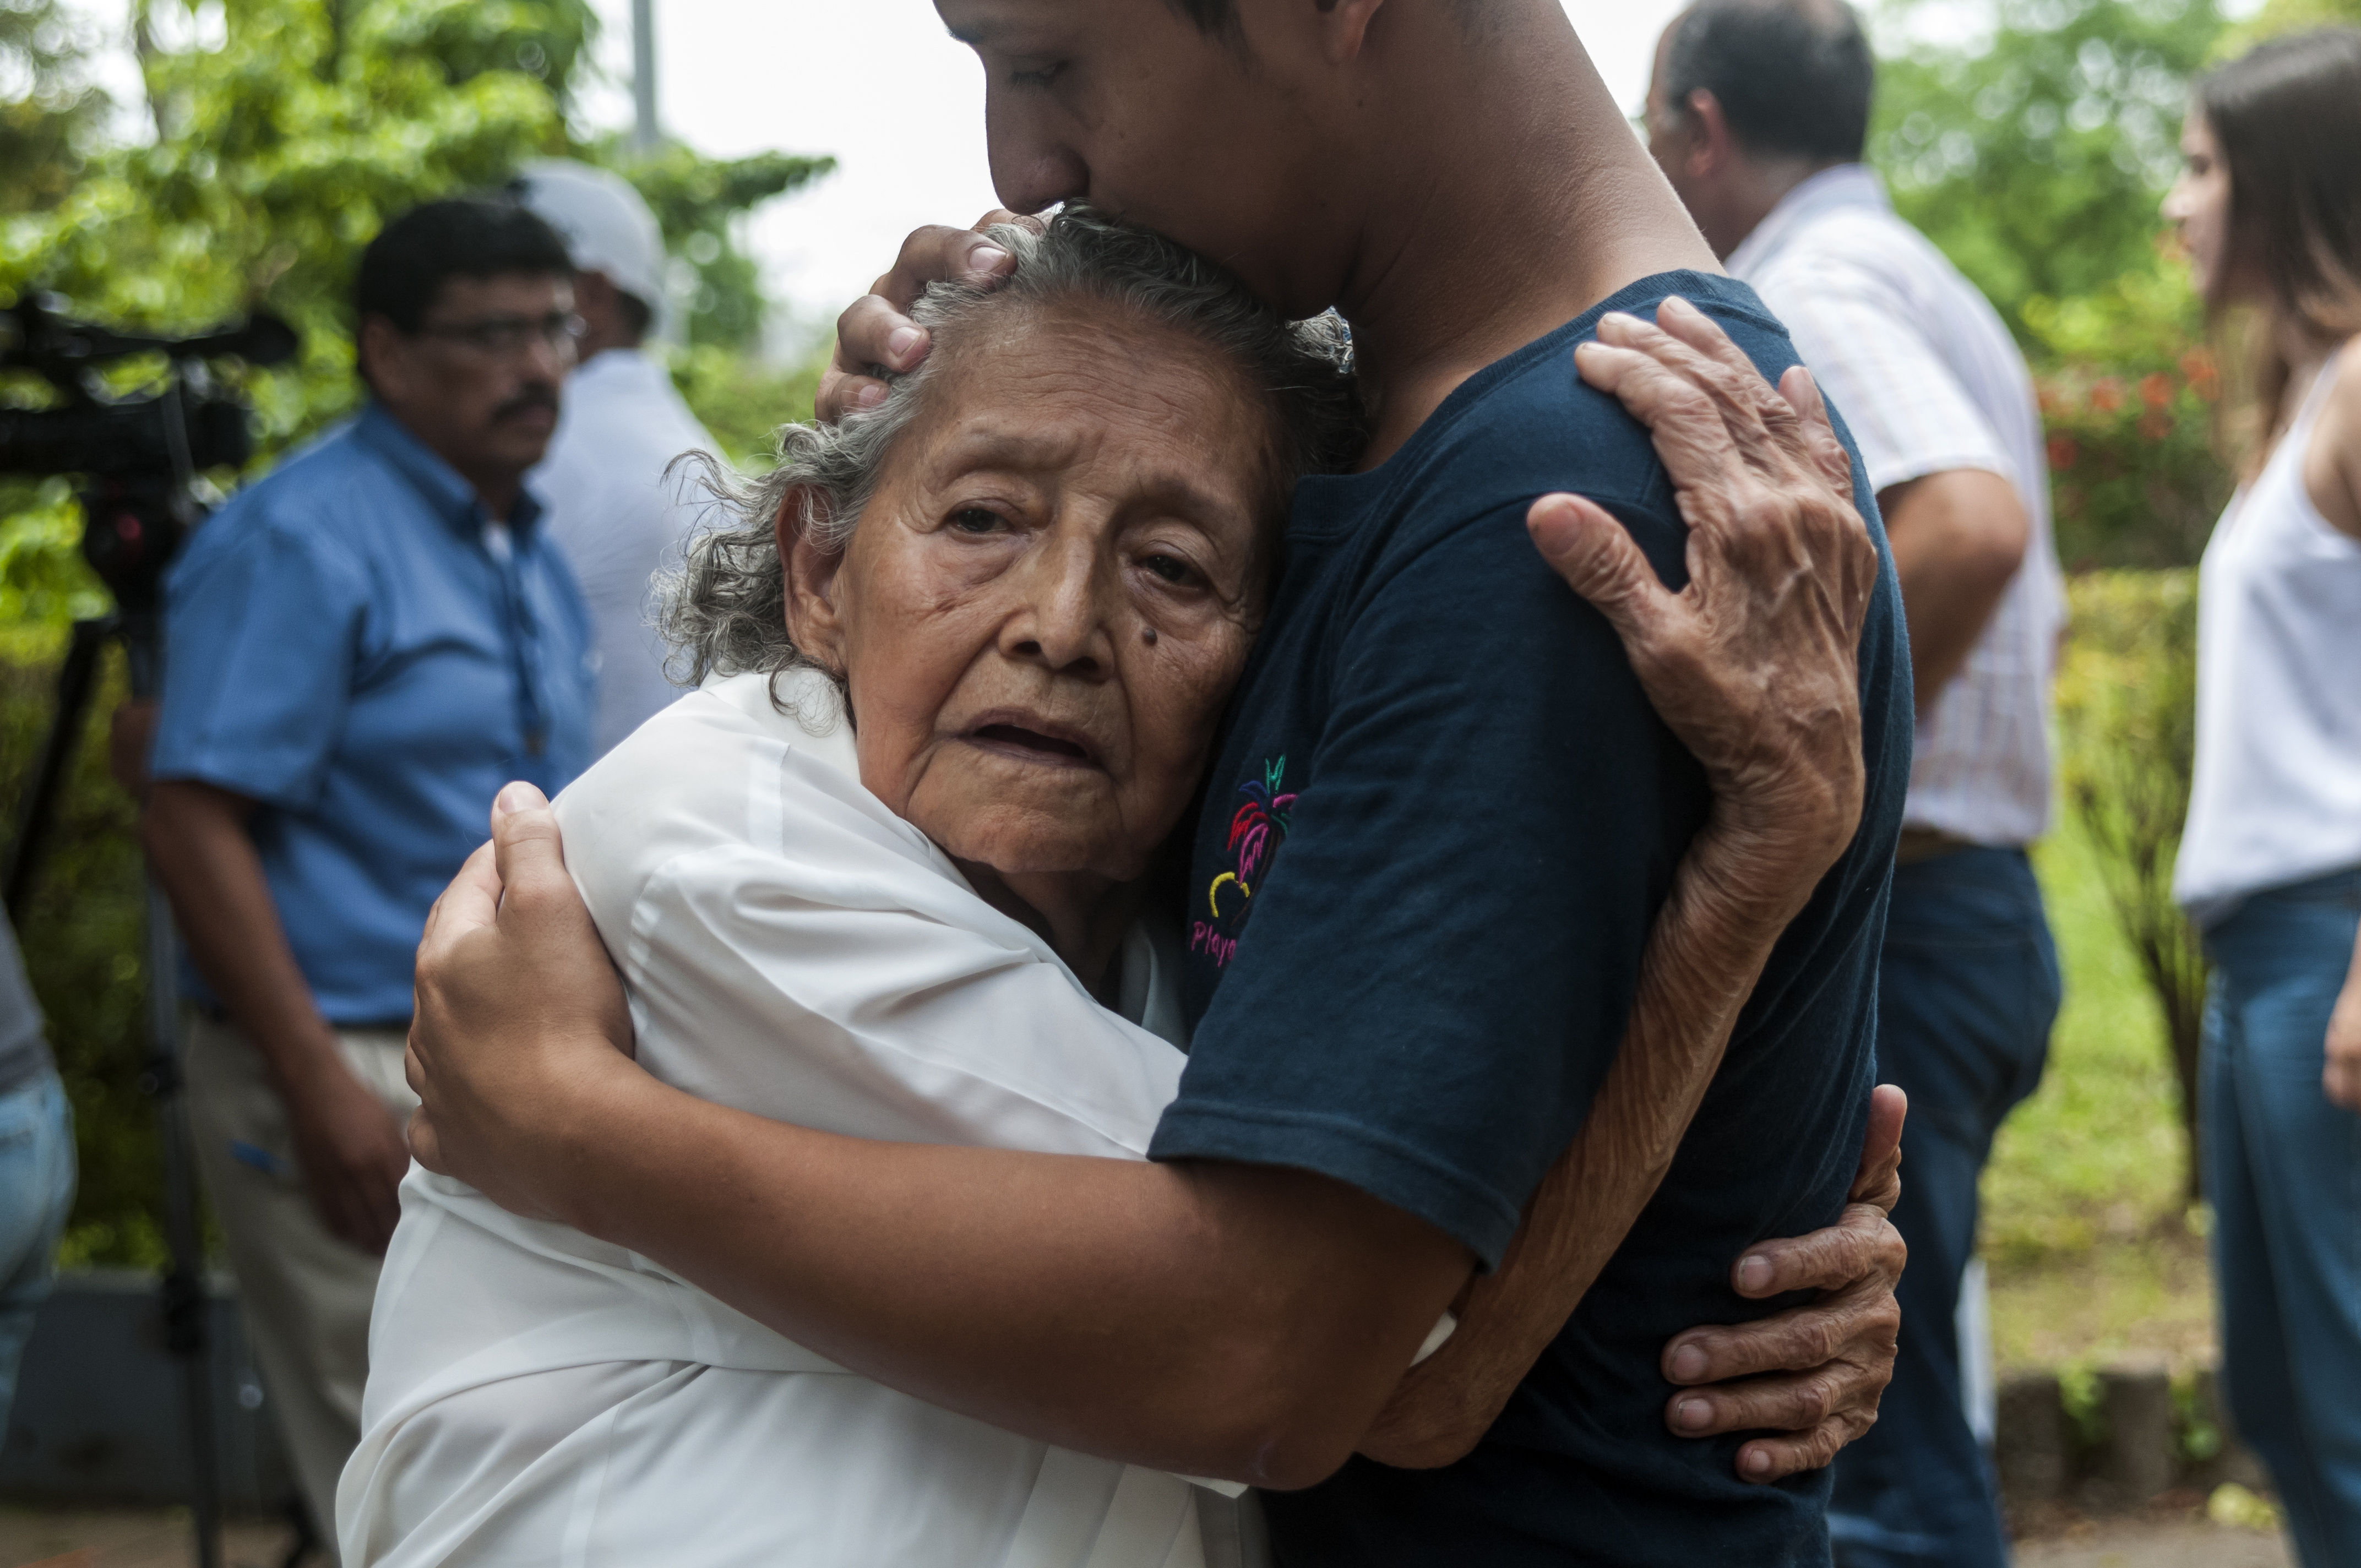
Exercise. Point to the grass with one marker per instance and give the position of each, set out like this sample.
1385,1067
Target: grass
2094,1259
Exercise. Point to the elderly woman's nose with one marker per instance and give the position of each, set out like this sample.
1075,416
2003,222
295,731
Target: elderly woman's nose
1064,614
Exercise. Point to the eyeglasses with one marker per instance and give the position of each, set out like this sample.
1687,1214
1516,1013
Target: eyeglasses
509,337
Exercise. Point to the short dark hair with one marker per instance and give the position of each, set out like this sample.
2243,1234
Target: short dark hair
407,264
1792,76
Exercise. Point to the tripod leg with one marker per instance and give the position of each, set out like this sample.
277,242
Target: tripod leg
75,679
184,1288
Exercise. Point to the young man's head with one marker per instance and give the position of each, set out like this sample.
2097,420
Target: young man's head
467,332
1259,133
1749,98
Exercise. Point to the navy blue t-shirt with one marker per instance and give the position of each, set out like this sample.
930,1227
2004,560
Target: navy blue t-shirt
1442,821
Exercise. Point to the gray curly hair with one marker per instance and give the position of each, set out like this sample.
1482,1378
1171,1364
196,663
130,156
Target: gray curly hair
724,610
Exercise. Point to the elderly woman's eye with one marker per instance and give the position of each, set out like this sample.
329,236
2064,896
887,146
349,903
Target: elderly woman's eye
976,520
1171,568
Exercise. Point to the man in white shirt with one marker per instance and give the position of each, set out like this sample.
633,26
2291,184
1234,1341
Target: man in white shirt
1757,113
612,512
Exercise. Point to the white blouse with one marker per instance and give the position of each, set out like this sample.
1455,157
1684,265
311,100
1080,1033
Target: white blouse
2275,795
793,948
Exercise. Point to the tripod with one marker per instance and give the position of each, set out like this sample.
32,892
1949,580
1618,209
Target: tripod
182,1293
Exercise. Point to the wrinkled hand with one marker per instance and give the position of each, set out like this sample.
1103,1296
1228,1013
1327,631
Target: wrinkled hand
2341,1075
518,1011
1754,663
350,1152
1812,1375
876,329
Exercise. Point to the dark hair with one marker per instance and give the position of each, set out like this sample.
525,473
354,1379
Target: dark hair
407,264
1792,76
2288,116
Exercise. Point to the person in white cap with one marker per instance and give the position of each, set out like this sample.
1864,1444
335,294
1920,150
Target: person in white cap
611,510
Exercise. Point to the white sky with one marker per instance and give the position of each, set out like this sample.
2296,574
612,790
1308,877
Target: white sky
881,85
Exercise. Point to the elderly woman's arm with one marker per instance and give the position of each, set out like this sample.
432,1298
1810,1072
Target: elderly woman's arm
1715,933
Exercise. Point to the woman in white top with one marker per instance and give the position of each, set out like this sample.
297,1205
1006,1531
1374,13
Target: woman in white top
1064,531
2268,208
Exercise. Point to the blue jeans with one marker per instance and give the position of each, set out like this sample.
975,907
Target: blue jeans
2283,1168
1967,988
36,1188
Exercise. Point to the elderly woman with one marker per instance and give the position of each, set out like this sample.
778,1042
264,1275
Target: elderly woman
886,874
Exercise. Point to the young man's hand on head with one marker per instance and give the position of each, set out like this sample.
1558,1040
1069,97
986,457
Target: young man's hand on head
875,331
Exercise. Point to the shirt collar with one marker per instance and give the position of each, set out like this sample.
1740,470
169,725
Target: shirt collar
1846,185
447,494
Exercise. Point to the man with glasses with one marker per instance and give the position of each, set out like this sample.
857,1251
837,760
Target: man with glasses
363,647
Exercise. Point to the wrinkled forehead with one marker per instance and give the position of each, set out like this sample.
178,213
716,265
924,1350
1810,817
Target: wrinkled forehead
1084,392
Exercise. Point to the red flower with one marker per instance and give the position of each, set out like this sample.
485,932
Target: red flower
2106,394
2156,388
2063,451
2203,378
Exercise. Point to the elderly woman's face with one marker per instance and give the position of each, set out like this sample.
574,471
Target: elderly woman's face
1051,593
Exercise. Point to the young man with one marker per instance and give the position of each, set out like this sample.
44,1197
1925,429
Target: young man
1473,815
1758,115
362,644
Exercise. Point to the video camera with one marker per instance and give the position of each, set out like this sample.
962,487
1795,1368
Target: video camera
135,456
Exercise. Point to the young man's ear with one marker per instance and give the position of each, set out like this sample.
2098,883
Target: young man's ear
1344,27
814,626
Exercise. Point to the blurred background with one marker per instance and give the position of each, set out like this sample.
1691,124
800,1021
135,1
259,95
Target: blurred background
170,166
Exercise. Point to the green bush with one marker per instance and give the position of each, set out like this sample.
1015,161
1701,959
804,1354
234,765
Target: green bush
2126,714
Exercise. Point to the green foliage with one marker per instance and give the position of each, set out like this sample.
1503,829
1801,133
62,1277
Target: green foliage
2037,164
2126,711
279,152
46,116
742,402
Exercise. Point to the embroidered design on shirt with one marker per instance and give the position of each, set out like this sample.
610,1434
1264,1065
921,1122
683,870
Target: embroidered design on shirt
1256,829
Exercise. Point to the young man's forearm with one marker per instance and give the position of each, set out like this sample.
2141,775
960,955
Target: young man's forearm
1212,1319
1706,951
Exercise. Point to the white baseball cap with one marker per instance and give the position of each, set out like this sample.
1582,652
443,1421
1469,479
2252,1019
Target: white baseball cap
605,225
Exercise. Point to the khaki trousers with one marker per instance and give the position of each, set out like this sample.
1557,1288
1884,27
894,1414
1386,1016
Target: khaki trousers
304,1293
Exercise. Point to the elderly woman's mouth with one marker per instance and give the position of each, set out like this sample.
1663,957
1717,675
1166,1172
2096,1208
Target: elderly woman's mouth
1030,740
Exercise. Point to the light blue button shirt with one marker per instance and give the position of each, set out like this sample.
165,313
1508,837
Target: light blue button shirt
348,646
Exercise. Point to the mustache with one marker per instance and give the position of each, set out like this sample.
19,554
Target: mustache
536,396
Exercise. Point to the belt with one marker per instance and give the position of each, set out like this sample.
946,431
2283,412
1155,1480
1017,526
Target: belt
214,1012
1927,843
